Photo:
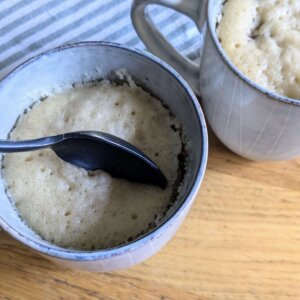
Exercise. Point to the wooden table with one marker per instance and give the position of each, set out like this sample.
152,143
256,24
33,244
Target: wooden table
241,240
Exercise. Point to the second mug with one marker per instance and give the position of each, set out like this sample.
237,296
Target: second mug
250,120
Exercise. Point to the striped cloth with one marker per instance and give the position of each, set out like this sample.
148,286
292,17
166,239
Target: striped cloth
29,27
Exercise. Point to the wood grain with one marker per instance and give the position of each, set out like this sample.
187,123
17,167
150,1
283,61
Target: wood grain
241,240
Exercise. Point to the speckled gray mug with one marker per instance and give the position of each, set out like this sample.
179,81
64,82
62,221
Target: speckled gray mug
248,119
60,68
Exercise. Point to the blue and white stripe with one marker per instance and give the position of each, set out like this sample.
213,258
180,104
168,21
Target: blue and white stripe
29,27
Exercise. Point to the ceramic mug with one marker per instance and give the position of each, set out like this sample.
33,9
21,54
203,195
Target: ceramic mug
63,66
248,119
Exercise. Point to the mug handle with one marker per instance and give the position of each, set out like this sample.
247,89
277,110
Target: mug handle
156,42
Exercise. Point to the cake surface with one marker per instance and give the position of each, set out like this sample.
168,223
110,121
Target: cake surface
77,209
262,39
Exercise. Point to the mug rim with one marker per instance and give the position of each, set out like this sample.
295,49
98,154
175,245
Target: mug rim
254,85
81,255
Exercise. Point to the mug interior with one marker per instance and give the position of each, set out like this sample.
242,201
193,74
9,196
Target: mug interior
57,70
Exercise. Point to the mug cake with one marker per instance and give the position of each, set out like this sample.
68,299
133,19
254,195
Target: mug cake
78,209
262,38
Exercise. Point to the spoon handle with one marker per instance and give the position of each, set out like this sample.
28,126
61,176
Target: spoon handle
28,145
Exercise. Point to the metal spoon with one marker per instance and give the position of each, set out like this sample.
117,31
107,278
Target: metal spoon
94,150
